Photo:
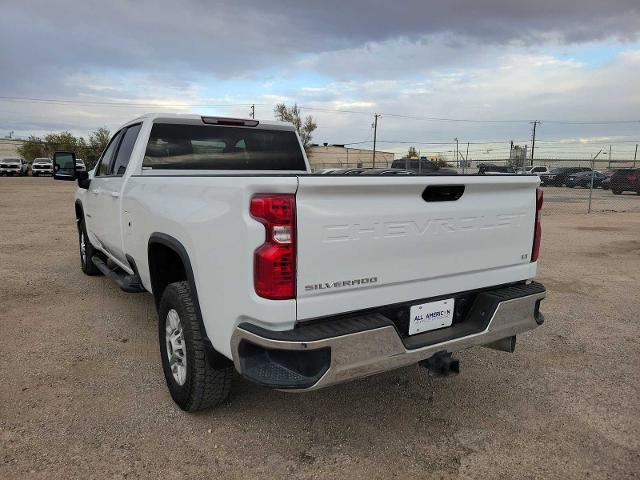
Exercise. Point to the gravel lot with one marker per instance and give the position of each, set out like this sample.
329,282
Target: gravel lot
83,394
576,200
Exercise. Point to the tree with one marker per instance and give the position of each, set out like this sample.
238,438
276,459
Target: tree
412,153
61,141
32,148
440,162
89,151
98,140
304,127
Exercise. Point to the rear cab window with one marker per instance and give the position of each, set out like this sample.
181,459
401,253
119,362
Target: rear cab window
124,152
105,162
214,147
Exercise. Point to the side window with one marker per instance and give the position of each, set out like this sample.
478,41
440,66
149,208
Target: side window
124,152
107,156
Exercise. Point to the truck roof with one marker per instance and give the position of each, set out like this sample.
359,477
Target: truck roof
197,119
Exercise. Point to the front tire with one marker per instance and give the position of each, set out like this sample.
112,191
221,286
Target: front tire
87,251
194,383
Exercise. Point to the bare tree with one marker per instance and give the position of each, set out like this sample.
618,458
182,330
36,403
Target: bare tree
304,127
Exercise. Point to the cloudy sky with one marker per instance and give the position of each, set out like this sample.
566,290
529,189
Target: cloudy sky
476,70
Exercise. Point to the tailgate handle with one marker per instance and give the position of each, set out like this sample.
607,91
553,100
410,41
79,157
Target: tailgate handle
442,193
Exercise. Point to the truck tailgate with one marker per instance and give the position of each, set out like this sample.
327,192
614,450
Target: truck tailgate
371,241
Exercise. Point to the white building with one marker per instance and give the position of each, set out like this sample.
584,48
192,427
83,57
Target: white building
339,156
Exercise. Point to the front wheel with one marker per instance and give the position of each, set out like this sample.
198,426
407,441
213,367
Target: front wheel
194,383
87,251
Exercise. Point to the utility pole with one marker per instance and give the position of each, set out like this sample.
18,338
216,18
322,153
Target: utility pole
609,156
466,159
457,154
375,135
253,111
634,156
533,139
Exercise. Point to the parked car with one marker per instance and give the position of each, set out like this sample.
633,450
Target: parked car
387,171
606,183
300,281
490,169
80,166
41,166
558,176
14,166
537,169
583,179
370,171
626,179
422,166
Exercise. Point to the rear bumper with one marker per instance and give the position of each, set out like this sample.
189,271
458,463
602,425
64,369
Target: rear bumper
316,356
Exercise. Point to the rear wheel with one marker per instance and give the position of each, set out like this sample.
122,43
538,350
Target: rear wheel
194,383
616,191
87,251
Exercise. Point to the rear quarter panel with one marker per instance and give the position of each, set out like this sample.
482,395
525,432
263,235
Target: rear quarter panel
209,216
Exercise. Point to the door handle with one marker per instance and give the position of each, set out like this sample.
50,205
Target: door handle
115,194
442,193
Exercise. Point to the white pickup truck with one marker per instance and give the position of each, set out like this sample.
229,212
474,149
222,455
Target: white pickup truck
298,280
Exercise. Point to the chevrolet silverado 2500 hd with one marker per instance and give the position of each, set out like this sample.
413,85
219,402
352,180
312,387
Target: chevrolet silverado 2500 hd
301,281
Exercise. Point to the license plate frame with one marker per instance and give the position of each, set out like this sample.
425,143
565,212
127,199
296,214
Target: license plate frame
425,317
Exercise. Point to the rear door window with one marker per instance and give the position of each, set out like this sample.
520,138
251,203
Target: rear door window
213,147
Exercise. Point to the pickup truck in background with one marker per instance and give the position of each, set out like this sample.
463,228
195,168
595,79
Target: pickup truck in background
301,281
41,166
14,166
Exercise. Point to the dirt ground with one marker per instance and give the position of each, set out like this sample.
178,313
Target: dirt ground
82,392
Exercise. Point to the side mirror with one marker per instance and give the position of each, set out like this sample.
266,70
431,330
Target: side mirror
64,166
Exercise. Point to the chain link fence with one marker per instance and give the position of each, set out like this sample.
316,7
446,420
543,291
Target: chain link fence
571,186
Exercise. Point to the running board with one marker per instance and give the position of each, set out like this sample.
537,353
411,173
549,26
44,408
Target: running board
126,282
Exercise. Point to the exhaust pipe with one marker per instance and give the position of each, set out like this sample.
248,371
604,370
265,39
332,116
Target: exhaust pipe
504,344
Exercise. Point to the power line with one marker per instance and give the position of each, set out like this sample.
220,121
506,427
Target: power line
121,104
317,109
446,119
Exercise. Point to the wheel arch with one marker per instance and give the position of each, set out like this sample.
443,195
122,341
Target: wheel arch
165,248
79,211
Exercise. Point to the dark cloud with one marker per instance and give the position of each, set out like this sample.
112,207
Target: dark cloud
163,49
241,37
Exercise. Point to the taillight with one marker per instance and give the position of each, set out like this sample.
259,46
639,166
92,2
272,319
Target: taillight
274,262
537,232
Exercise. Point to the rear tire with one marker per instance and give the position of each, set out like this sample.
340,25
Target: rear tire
87,251
194,383
616,191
